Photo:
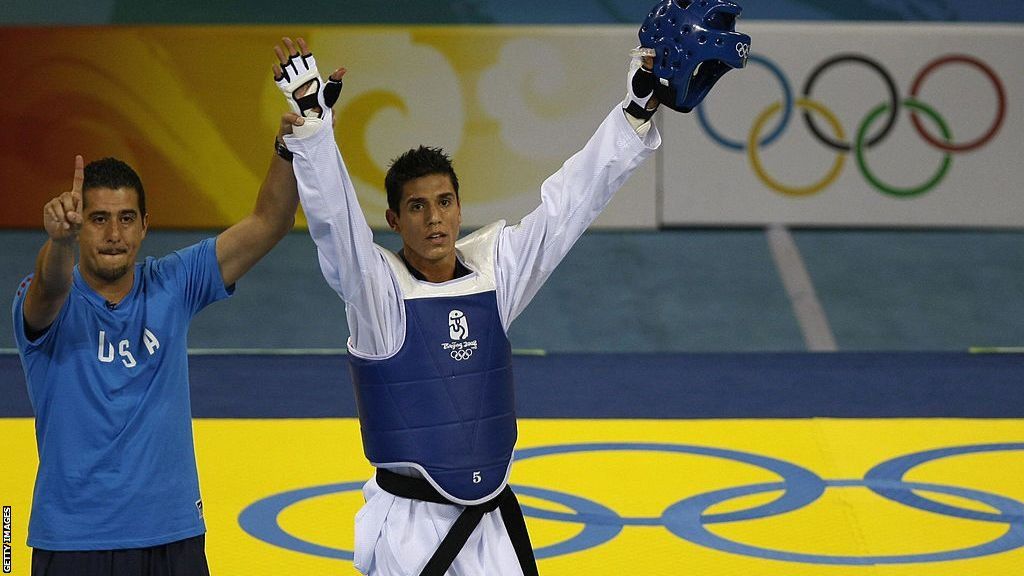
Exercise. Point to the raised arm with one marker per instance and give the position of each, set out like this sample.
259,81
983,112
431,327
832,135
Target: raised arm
349,260
672,67
573,197
62,219
242,245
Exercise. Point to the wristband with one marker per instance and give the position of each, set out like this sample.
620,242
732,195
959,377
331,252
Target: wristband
281,150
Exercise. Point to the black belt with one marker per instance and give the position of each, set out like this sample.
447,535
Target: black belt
511,515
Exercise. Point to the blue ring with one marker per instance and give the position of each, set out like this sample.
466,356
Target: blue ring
801,485
259,520
894,470
684,520
593,534
787,110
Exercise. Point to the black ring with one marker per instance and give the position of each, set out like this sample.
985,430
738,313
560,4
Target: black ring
894,100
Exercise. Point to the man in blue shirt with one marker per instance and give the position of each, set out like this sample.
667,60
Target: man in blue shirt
103,346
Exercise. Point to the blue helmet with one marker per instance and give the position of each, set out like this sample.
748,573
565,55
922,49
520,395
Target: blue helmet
694,43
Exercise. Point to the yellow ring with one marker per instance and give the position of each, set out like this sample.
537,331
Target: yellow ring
755,161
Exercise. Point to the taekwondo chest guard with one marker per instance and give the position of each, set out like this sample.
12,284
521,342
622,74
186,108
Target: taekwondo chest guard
694,43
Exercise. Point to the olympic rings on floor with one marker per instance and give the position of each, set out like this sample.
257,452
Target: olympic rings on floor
680,519
897,468
863,140
688,518
807,486
259,520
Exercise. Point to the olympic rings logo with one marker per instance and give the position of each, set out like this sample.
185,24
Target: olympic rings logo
461,355
742,50
688,518
867,136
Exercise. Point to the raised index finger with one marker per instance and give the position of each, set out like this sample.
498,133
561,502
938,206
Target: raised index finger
76,184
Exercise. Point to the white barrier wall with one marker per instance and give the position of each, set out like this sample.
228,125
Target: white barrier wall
808,133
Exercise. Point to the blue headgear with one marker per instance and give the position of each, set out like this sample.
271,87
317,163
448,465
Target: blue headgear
694,43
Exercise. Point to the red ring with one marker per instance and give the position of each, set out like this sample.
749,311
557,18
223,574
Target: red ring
1000,113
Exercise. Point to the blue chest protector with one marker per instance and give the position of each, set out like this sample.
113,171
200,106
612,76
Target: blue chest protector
444,403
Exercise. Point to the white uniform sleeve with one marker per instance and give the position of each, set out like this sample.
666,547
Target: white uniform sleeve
352,265
571,199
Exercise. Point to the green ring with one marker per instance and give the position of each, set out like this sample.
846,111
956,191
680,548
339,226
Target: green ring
892,190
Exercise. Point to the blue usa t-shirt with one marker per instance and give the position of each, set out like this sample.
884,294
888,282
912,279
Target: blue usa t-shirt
110,392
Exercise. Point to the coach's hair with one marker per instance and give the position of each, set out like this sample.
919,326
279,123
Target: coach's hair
416,163
113,173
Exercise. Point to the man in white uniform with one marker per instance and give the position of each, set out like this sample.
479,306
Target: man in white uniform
430,359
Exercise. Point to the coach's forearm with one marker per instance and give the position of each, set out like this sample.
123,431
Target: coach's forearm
54,267
242,245
278,199
51,284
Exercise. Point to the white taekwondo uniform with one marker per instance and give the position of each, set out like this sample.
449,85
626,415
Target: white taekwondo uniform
394,535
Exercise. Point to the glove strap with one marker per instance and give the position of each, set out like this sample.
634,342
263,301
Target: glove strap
641,88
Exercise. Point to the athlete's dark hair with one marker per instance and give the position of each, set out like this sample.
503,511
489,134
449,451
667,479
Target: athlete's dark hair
416,163
113,173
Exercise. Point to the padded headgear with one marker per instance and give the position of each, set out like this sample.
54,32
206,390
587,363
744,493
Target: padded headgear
694,43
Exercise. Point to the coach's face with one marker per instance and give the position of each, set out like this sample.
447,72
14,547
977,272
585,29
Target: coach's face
112,232
428,221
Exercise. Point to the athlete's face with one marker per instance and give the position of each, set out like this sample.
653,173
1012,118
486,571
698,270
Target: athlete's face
428,221
112,232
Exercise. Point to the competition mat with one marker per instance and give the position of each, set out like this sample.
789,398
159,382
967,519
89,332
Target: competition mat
880,464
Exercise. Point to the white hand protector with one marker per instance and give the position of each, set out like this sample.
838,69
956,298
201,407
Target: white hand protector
640,84
305,92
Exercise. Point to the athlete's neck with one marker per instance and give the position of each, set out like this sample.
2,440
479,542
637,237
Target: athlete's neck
436,274
112,291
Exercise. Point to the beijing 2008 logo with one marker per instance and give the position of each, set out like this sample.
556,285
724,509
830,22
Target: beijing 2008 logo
863,139
460,348
691,518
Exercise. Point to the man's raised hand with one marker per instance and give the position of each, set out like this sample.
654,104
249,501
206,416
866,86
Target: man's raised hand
62,216
298,78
